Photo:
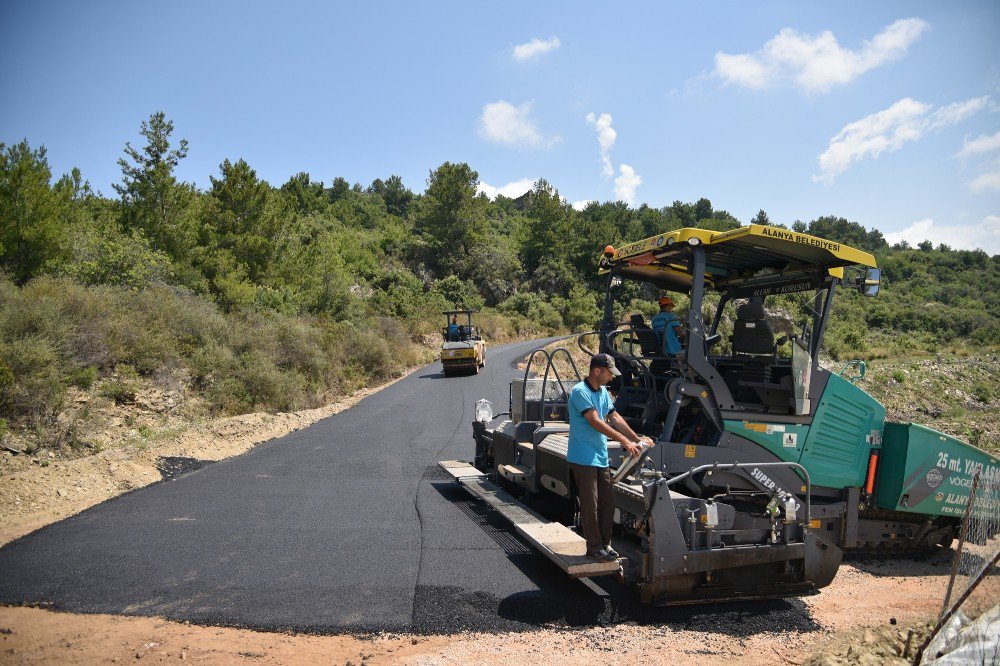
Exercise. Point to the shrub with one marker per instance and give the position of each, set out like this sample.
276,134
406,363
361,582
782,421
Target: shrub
123,386
266,386
985,392
37,390
83,377
462,293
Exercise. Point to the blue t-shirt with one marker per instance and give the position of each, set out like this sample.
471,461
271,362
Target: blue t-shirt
453,331
586,445
665,324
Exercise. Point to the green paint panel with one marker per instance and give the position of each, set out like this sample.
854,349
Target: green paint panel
837,448
925,471
784,440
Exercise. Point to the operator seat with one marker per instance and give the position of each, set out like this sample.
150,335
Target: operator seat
650,345
648,341
753,342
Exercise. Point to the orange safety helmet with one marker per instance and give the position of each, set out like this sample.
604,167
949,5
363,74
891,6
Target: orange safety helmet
665,301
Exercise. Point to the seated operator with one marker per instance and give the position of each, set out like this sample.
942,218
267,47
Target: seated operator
453,329
668,327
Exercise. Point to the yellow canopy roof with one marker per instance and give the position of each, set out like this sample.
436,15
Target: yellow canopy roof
735,259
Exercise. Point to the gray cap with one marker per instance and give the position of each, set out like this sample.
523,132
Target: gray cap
604,361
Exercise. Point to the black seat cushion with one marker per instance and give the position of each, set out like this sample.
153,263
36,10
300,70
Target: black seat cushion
752,332
648,341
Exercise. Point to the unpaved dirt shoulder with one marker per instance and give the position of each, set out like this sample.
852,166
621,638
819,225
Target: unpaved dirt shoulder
865,602
37,636
33,635
33,495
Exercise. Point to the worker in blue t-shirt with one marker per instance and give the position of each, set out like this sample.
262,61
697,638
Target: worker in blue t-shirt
592,420
668,327
453,329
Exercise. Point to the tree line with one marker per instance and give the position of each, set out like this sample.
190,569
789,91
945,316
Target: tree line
351,252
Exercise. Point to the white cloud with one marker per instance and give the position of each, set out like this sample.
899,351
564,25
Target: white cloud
980,145
985,235
816,63
536,47
606,137
956,112
583,203
510,125
988,182
510,190
628,180
626,184
888,130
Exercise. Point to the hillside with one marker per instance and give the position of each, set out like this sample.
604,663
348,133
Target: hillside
249,297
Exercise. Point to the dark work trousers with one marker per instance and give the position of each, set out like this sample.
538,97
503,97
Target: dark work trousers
597,504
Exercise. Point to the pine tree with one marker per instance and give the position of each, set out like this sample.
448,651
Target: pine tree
153,201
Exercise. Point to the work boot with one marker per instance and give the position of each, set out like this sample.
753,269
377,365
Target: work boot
602,555
612,551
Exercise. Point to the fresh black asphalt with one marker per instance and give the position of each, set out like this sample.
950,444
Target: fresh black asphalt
347,525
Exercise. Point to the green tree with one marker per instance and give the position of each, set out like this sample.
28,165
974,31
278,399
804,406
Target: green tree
548,225
845,231
580,310
702,209
306,195
339,189
243,220
554,276
460,293
31,228
495,269
761,218
683,212
153,201
394,193
451,216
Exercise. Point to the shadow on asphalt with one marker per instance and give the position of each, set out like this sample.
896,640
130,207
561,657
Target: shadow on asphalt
562,602
441,375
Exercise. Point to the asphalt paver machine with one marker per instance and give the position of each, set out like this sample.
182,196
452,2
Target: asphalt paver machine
767,466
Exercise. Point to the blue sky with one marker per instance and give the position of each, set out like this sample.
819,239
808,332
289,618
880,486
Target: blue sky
885,113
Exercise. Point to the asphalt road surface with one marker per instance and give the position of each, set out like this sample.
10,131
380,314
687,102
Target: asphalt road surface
347,525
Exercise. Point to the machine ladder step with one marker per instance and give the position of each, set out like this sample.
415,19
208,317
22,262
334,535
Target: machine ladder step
563,546
519,474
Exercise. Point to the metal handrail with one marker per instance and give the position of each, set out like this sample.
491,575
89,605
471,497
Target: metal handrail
545,378
549,366
648,379
579,342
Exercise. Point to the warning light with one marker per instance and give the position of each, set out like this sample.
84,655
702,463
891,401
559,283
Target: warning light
609,251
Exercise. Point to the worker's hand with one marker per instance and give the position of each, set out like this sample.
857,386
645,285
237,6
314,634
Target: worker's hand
632,449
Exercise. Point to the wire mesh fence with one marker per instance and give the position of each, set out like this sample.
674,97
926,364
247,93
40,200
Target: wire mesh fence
968,624
975,582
